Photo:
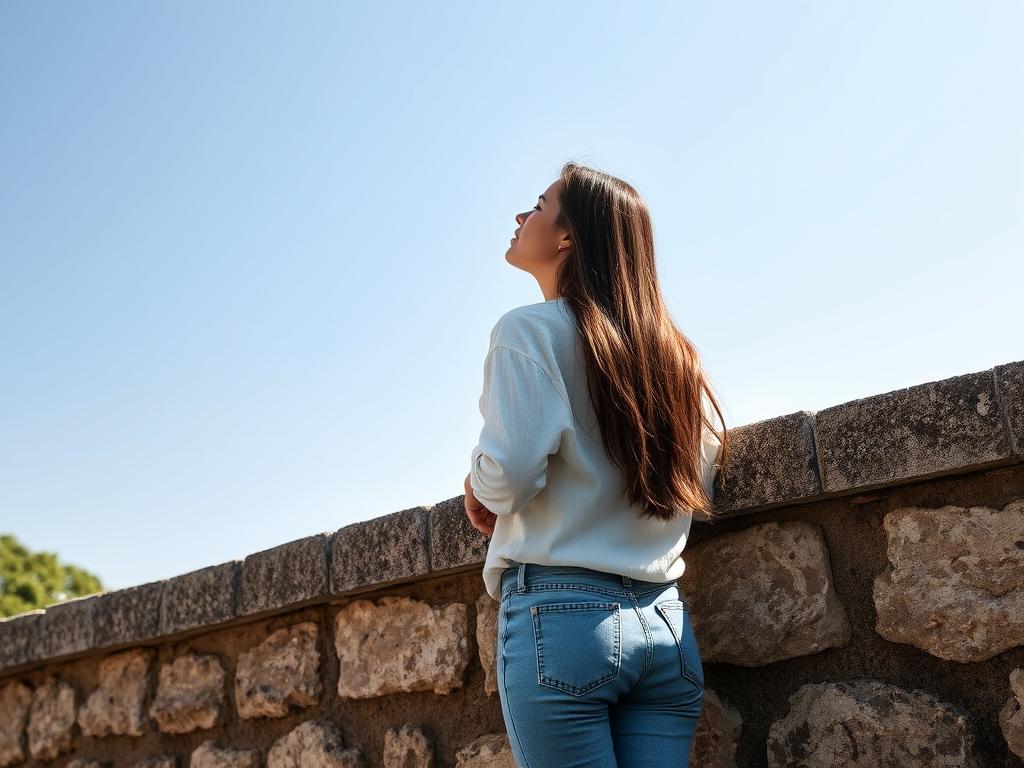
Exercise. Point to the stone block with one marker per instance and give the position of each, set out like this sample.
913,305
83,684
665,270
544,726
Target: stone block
856,723
922,431
189,694
383,550
292,574
200,599
399,644
51,719
954,586
280,674
764,594
117,704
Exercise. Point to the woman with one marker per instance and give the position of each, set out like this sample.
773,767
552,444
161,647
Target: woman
599,445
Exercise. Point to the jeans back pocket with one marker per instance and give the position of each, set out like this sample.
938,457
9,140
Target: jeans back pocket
579,645
676,614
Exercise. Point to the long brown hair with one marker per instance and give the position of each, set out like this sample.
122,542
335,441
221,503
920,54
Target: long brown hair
645,376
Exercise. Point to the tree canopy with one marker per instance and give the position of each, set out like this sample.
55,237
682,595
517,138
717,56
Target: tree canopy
30,580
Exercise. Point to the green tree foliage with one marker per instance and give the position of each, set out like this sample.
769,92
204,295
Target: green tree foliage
30,580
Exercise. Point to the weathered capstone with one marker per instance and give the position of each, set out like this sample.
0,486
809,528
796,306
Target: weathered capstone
453,541
15,700
1011,716
399,644
129,615
189,694
955,582
383,550
19,637
67,627
935,428
313,743
201,598
487,640
281,673
764,594
867,722
717,738
283,576
51,719
209,754
1010,385
491,750
117,704
772,462
407,747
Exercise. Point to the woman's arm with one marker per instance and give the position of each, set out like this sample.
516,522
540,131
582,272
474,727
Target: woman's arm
525,416
479,516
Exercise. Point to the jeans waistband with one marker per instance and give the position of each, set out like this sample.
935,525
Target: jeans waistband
532,574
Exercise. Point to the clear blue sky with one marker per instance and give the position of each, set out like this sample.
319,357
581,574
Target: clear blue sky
250,253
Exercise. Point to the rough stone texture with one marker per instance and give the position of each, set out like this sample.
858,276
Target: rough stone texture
918,431
211,755
18,638
15,699
489,751
487,640
717,738
159,761
200,599
51,719
1010,388
67,627
770,462
1011,716
280,673
383,550
399,644
189,695
764,594
454,543
981,567
313,743
867,722
84,762
116,706
129,615
407,747
955,583
287,575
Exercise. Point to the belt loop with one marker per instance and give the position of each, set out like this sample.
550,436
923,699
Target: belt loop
626,581
521,587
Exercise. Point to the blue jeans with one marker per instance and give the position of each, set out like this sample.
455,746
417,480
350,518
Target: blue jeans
596,669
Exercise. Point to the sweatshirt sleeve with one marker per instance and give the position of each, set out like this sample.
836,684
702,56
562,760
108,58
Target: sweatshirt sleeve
711,446
525,417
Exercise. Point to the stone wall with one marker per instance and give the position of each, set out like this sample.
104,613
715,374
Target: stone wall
860,601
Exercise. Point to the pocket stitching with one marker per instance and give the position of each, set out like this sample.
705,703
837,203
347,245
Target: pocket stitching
678,605
614,610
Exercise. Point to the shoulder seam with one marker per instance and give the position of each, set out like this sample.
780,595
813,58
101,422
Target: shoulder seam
544,370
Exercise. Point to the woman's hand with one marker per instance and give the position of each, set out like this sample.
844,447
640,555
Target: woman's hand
479,516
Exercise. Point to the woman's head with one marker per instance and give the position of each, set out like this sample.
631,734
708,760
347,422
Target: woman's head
647,384
541,241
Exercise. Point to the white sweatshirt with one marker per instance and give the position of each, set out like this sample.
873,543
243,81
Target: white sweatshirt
541,468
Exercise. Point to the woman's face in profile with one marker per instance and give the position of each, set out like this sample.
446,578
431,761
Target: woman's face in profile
536,239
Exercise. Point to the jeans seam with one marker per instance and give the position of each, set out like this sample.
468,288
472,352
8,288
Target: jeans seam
661,608
504,685
589,588
648,638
